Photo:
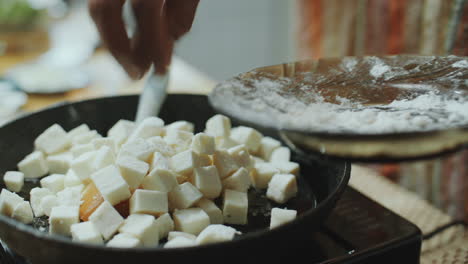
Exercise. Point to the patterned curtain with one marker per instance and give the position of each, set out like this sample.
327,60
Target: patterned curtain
333,28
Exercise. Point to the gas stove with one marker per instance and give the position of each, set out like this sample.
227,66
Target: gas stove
358,230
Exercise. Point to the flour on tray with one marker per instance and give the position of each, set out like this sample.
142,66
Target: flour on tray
321,103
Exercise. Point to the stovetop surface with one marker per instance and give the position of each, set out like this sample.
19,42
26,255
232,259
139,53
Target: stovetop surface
358,230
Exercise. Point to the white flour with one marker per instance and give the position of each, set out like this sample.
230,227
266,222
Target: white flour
426,106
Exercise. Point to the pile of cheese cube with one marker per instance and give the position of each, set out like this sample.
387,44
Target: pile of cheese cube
146,182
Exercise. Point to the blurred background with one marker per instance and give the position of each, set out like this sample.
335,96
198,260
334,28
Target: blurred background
240,35
50,52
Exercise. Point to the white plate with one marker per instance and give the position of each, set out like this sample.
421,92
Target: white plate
43,78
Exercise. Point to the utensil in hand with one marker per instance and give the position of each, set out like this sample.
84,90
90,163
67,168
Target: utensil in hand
153,95
155,89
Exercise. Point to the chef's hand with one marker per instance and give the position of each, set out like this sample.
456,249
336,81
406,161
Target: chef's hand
159,24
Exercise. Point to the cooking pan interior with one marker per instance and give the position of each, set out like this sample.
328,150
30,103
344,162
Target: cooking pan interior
320,185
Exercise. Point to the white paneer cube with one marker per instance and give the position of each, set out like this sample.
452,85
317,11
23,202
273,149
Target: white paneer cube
238,181
267,146
225,143
183,178
124,241
179,140
179,242
79,188
248,136
36,196
262,174
81,129
161,146
159,161
160,180
213,211
149,127
235,207
257,160
120,131
81,149
83,166
48,203
280,154
215,233
105,141
53,182
287,167
62,218
181,125
111,184
282,187
133,170
33,165
148,202
8,202
207,180
85,138
184,196
218,126
204,160
70,196
203,143
103,158
174,234
71,179
14,180
192,220
54,139
138,148
23,213
142,227
225,163
184,162
86,232
241,155
165,224
59,163
281,216
106,220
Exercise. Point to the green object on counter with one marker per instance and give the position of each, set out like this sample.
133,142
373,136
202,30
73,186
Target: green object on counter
17,13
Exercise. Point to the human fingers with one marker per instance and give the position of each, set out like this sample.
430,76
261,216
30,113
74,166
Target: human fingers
181,14
163,56
107,15
152,42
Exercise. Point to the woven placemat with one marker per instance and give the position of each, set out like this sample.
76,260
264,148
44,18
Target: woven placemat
449,246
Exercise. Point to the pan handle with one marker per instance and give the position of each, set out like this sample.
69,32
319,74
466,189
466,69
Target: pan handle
6,256
301,155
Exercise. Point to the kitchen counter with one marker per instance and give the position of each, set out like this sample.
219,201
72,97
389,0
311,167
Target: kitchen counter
184,78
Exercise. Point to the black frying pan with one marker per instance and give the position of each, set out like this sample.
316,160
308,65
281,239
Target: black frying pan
320,186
